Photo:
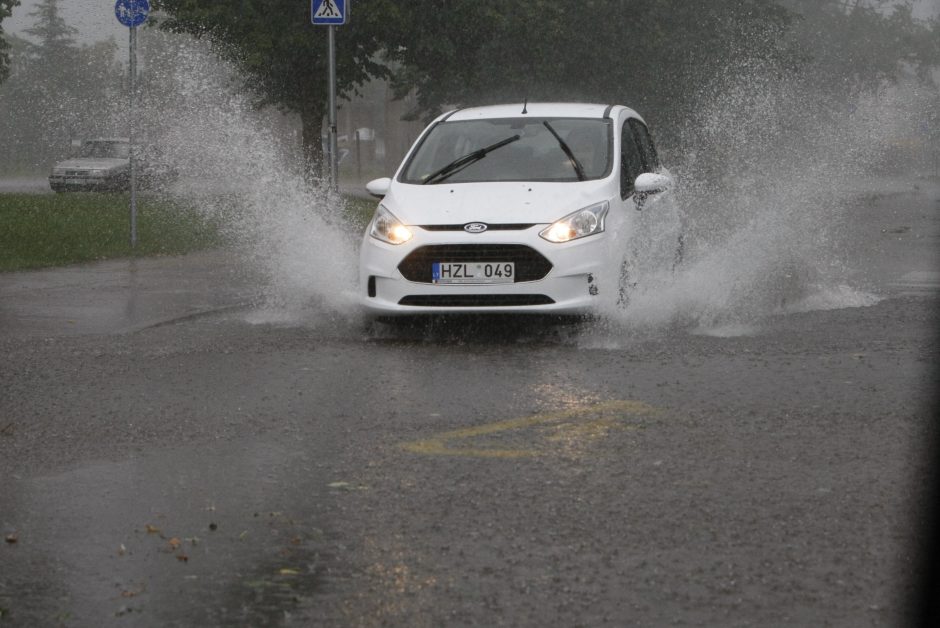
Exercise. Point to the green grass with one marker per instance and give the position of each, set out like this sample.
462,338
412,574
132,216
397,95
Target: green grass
40,230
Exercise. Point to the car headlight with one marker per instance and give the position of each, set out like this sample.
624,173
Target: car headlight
387,228
581,223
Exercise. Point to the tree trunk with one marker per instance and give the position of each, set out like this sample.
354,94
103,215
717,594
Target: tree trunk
314,161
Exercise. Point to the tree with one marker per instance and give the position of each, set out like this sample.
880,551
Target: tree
55,36
657,55
476,51
652,54
6,8
58,91
860,45
283,56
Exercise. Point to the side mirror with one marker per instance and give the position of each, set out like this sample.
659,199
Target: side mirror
649,184
379,187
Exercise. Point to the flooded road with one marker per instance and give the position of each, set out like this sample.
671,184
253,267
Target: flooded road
172,453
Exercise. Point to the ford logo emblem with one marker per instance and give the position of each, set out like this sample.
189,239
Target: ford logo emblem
475,227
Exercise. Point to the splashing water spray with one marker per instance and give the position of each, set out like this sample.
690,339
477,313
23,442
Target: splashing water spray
237,170
762,196
760,200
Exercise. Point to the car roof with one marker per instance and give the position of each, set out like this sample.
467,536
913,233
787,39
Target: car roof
537,109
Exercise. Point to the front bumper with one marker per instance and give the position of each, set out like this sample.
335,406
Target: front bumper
63,183
570,287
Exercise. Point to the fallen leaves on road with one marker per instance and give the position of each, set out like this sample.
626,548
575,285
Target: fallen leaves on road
174,543
133,592
11,538
151,529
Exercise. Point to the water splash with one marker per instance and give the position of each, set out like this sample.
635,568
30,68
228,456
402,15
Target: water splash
765,184
237,166
771,172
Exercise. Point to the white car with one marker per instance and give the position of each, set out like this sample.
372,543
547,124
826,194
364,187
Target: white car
104,165
510,208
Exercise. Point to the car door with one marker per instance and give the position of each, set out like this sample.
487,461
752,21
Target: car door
631,159
654,242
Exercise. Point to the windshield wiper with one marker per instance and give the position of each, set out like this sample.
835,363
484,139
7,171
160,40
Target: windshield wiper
578,168
466,160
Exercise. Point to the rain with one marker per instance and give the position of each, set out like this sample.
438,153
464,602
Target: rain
211,424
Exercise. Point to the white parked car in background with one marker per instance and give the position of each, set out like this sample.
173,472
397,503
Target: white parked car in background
104,165
510,208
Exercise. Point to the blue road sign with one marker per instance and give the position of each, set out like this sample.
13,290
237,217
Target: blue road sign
131,13
329,12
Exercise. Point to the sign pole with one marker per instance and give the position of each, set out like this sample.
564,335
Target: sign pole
132,13
133,150
334,162
331,13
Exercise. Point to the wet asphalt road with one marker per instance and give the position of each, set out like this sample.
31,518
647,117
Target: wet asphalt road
169,455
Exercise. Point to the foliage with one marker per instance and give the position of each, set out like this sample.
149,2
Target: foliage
650,53
283,56
38,230
6,8
50,29
657,55
58,91
856,45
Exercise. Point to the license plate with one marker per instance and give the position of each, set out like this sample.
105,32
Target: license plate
473,272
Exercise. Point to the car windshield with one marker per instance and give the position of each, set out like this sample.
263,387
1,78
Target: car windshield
536,156
100,149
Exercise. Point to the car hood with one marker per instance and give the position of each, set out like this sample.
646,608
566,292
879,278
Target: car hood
92,164
492,203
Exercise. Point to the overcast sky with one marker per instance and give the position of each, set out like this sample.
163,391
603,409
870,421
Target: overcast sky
95,18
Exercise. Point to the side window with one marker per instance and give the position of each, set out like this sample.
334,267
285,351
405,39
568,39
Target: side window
647,149
631,162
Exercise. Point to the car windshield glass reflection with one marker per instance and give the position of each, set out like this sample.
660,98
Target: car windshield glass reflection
536,156
106,150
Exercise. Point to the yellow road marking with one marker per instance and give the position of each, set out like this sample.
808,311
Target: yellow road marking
609,415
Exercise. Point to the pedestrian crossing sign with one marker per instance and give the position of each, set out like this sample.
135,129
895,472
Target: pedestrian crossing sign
329,12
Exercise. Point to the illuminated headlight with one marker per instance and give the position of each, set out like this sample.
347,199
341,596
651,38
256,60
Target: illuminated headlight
581,223
387,228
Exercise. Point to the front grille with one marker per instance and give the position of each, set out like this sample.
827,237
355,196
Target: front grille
475,300
503,227
530,264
